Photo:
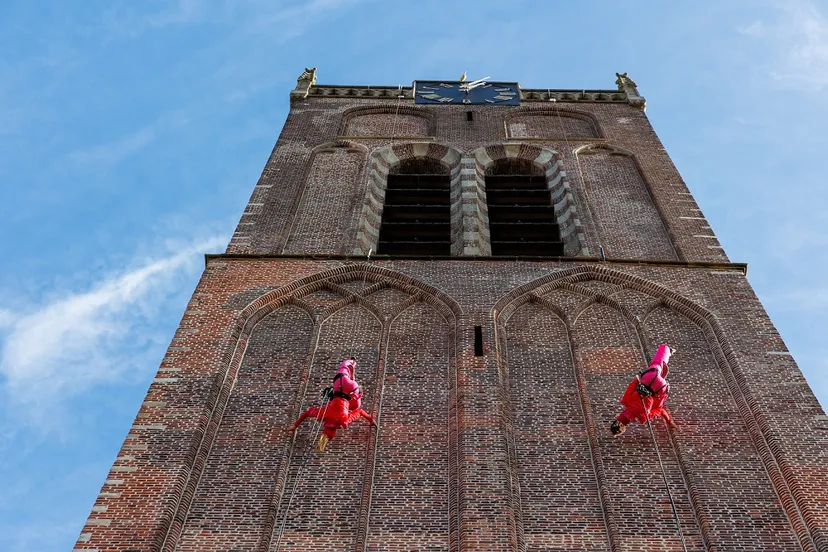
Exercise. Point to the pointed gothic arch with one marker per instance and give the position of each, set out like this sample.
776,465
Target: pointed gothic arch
781,478
548,121
290,295
319,200
632,224
406,121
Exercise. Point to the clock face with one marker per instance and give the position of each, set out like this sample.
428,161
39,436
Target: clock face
459,93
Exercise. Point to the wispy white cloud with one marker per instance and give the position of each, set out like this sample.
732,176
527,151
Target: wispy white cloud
295,19
265,22
181,12
112,153
128,21
795,41
755,28
6,318
86,338
806,61
107,155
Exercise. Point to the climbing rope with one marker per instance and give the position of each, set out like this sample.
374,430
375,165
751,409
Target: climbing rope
664,477
580,176
400,96
316,430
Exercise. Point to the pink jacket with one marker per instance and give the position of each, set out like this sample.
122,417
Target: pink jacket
347,383
655,377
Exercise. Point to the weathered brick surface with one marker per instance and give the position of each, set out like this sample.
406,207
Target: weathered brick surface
559,502
550,124
267,224
231,504
387,124
734,488
412,484
506,451
627,220
330,195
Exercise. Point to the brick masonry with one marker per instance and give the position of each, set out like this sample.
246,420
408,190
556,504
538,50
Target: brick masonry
506,451
268,224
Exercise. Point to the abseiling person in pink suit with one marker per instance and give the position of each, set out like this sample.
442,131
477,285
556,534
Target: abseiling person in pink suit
343,407
646,394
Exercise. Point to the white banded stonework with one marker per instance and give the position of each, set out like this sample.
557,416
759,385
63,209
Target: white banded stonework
560,194
380,163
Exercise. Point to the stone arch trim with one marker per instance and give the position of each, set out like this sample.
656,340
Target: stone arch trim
560,193
607,149
556,111
354,112
380,162
169,533
767,445
334,146
616,150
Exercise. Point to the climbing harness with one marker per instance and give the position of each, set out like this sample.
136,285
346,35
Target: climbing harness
330,392
646,390
658,452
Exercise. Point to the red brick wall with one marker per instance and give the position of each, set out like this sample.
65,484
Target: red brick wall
387,124
625,216
328,203
472,453
560,506
270,220
551,124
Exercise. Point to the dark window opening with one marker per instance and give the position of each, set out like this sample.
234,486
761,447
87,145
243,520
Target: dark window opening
478,341
470,115
416,218
521,217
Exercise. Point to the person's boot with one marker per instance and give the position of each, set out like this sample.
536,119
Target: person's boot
323,441
617,428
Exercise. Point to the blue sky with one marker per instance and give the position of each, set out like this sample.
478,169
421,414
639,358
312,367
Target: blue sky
132,134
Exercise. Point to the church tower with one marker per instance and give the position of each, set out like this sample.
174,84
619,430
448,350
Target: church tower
501,262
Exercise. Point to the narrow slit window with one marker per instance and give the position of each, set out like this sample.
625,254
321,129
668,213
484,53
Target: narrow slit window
522,218
478,341
416,217
470,115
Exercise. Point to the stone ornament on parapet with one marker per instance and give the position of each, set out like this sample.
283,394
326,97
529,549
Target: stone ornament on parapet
628,86
303,84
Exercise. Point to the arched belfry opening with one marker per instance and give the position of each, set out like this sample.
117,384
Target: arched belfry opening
522,219
416,218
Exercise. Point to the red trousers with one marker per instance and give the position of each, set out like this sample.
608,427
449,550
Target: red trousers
642,409
335,415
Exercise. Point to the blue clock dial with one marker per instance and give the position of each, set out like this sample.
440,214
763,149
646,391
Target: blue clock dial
459,93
